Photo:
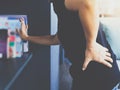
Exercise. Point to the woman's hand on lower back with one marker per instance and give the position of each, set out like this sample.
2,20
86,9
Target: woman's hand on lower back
99,54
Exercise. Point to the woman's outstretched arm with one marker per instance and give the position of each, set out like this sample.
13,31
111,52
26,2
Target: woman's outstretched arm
43,40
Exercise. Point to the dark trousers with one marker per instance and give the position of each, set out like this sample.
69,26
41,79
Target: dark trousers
97,76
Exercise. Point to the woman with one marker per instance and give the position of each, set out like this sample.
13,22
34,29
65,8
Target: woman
93,62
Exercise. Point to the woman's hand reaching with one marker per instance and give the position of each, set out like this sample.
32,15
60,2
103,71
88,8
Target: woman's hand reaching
97,53
23,30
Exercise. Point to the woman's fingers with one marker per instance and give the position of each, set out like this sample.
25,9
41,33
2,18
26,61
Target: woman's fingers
109,59
26,28
86,62
108,54
106,63
22,20
106,49
106,60
23,26
98,54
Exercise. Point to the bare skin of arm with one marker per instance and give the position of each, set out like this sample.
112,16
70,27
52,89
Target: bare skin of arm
89,17
88,14
43,40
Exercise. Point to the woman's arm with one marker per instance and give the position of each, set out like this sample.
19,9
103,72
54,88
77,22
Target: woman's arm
44,40
89,16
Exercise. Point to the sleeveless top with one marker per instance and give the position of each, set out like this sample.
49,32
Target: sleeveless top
72,38
70,30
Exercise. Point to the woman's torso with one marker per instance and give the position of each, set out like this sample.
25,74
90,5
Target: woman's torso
71,35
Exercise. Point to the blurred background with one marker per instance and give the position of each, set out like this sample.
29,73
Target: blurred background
48,68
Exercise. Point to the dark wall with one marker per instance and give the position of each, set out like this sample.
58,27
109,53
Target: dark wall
38,15
38,70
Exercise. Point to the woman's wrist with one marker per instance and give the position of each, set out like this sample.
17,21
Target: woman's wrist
26,38
91,44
